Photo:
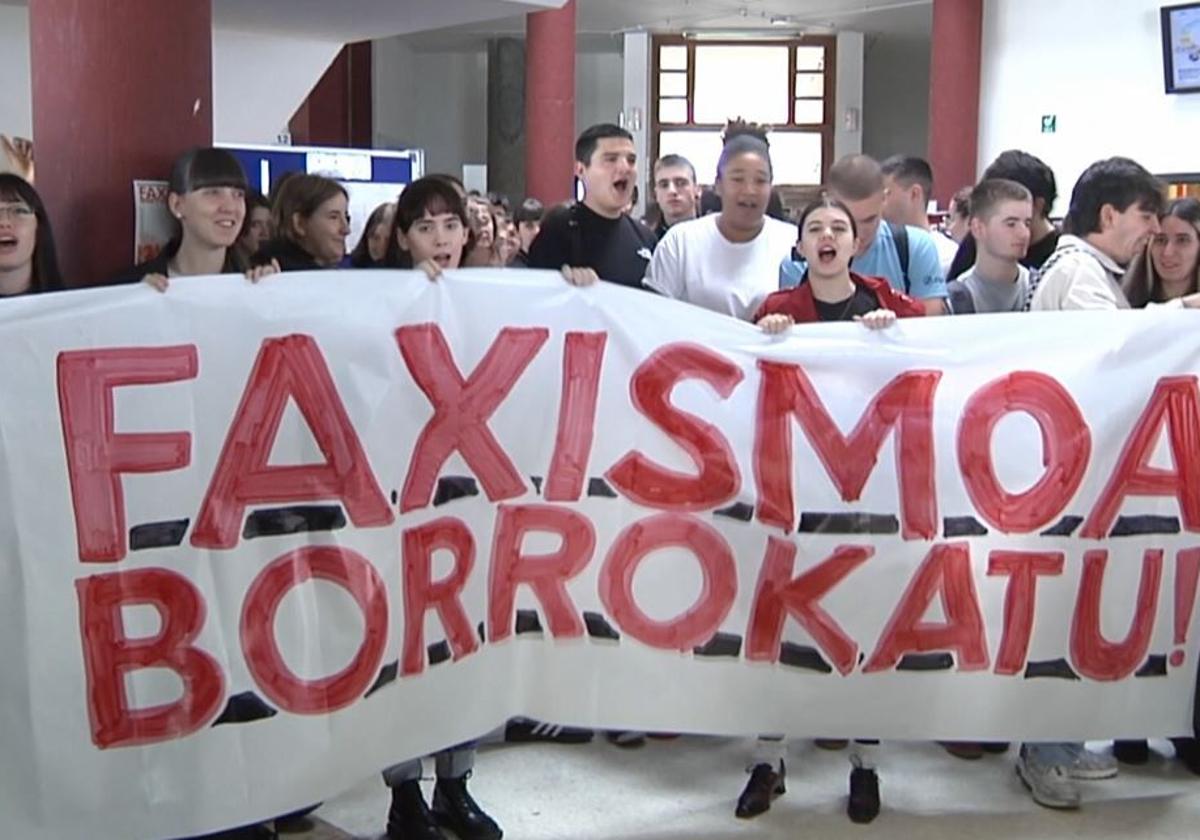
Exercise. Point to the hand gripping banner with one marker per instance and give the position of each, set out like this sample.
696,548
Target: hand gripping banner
261,541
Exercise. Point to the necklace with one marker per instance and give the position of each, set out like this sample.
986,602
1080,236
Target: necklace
841,316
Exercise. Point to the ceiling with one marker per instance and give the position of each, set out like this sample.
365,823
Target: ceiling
897,19
360,20
444,23
357,20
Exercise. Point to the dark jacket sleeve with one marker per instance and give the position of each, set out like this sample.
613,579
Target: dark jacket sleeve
289,256
137,273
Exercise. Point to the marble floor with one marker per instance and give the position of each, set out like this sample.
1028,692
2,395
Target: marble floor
685,788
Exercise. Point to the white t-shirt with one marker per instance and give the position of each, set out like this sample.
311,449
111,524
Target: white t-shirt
947,249
695,263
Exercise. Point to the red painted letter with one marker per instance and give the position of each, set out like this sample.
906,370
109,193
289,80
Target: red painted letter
717,479
108,655
700,621
1066,447
945,571
96,454
461,408
1020,600
335,564
546,574
288,367
779,595
421,592
905,403
582,360
1175,401
1093,655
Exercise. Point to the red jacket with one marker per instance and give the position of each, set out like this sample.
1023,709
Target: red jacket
799,304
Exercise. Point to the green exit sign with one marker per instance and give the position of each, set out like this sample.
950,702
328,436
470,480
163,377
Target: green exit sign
1049,123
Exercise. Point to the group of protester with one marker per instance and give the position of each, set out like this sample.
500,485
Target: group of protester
861,250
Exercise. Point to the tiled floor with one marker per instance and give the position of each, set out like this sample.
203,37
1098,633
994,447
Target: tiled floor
685,789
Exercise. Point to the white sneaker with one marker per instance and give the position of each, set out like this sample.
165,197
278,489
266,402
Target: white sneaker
1040,768
1088,766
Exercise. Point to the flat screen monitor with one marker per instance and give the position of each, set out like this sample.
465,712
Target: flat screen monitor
1181,47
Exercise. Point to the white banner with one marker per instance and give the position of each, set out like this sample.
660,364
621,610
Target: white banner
261,541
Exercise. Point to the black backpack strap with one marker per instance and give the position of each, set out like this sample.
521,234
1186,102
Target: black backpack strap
900,237
576,235
960,298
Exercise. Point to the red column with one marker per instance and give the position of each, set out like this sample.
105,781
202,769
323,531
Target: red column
954,94
338,110
550,104
120,89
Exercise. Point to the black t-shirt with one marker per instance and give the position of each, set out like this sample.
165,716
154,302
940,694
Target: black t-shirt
1041,250
860,303
618,250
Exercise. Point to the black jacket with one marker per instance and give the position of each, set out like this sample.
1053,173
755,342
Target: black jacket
291,257
161,265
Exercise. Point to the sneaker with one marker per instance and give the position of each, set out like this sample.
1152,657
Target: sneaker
1040,769
1088,766
1187,750
863,804
763,785
1131,752
524,731
831,743
966,750
626,739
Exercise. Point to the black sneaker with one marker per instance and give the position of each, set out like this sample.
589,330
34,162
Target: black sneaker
1131,752
863,805
297,821
525,731
258,831
1187,750
763,786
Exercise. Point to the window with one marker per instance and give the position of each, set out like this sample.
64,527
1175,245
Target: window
748,82
699,84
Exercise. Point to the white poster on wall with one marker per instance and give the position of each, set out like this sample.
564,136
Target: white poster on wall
153,226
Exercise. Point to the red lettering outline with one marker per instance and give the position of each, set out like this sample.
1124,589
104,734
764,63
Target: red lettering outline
904,404
462,407
699,622
717,479
96,454
1066,449
335,564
